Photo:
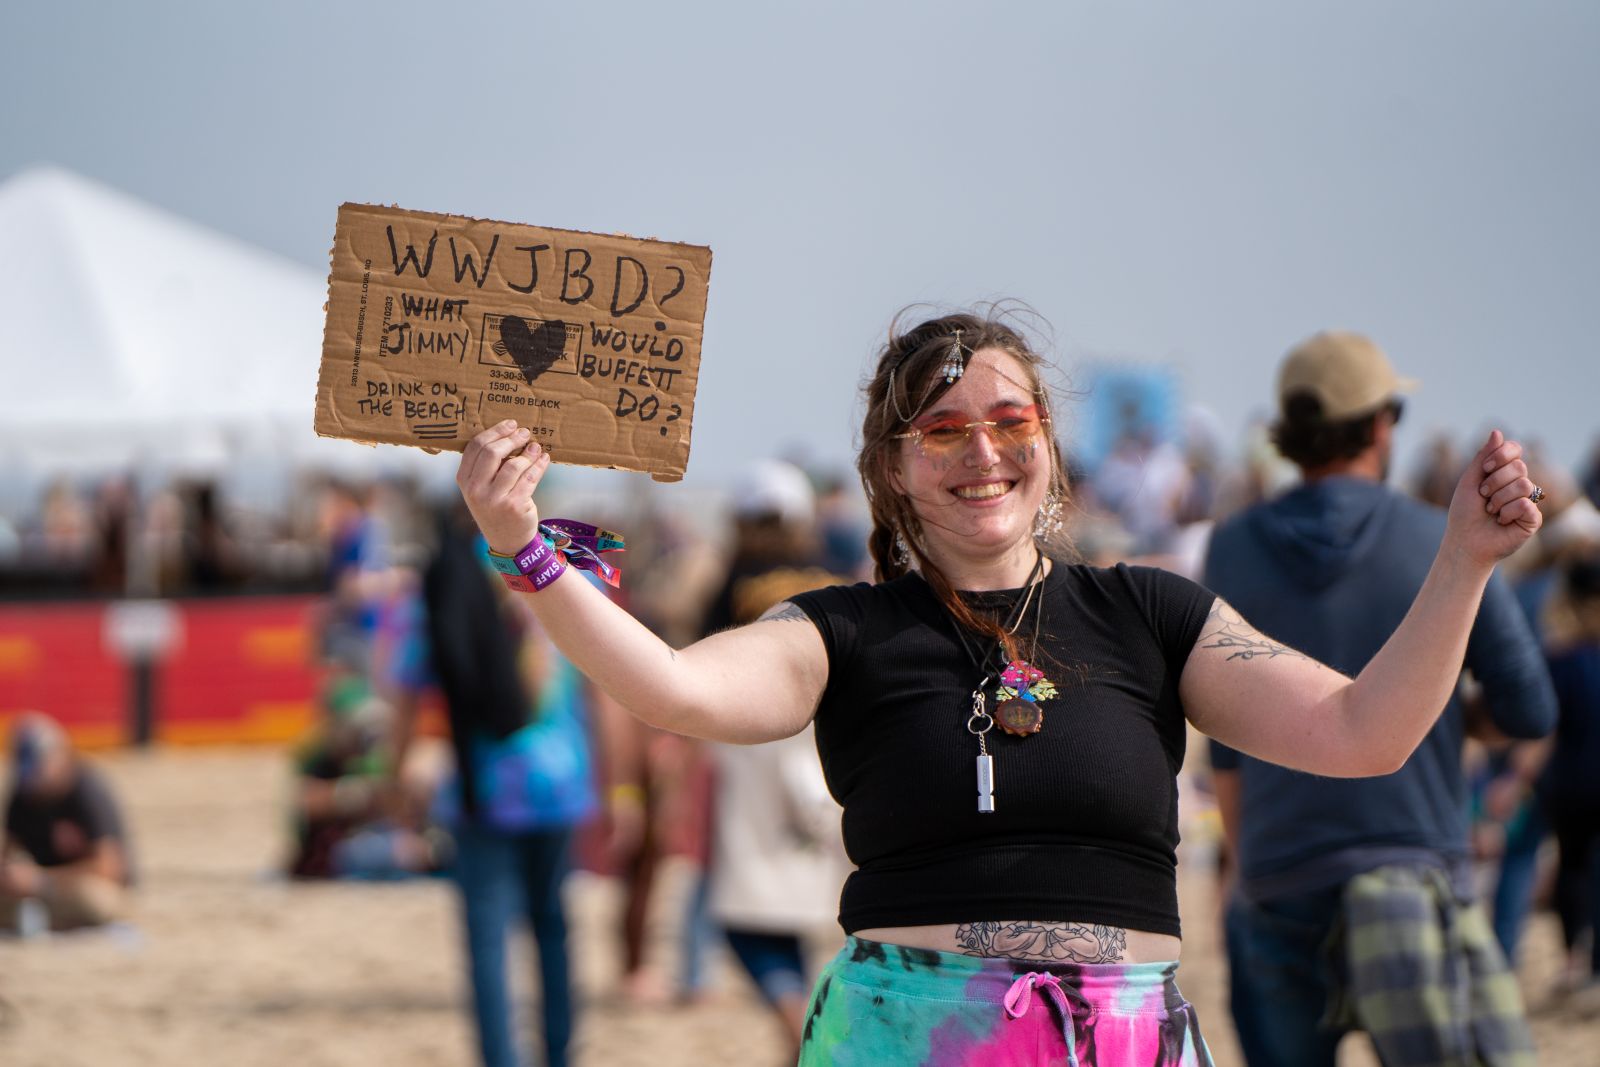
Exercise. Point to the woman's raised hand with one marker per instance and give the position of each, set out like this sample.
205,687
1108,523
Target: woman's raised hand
1491,515
500,468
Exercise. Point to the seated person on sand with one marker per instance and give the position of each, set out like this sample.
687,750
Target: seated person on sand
349,821
65,862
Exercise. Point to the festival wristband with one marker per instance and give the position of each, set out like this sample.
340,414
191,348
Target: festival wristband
559,542
581,532
582,544
533,568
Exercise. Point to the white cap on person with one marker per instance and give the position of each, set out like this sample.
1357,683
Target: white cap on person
773,487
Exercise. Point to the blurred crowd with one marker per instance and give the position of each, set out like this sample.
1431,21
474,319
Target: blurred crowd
115,536
453,740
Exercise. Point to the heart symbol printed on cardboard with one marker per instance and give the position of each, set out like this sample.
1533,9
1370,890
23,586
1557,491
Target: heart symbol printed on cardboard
534,351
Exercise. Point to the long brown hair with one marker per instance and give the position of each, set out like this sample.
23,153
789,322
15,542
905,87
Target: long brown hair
906,381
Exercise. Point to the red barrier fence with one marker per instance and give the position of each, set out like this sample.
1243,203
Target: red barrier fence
238,670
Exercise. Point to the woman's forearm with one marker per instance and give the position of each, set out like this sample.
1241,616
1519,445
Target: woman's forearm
1295,712
1393,703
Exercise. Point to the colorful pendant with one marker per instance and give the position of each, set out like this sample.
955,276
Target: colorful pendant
1022,686
1019,716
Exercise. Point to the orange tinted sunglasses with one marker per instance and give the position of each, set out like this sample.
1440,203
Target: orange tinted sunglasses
948,438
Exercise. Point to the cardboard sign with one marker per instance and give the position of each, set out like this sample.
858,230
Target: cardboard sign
440,325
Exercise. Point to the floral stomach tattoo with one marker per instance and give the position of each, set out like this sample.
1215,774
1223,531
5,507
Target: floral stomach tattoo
1055,942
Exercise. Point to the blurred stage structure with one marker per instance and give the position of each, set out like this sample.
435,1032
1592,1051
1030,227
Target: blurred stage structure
142,341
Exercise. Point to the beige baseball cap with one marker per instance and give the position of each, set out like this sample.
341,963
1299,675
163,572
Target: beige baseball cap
1348,374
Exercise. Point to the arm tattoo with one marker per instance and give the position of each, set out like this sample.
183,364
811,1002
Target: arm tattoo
1226,629
1056,942
784,612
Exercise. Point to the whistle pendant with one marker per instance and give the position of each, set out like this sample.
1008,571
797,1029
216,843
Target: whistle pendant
986,784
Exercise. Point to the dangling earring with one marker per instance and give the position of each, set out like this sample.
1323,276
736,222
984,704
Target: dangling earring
953,366
902,551
1048,523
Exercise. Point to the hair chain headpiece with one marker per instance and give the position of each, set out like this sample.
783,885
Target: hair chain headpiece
894,397
954,365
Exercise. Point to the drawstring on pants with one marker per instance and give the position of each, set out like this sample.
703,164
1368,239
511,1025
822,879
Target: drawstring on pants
1019,998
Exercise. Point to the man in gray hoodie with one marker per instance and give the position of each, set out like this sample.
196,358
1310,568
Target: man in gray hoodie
1353,909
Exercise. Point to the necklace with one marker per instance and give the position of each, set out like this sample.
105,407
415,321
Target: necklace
1021,613
1021,686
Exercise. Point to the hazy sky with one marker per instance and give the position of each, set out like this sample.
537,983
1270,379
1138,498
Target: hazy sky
1200,184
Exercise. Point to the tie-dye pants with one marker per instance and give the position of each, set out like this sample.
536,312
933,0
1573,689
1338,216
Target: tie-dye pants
885,1005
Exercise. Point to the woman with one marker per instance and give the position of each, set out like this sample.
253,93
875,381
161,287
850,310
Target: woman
1015,899
519,725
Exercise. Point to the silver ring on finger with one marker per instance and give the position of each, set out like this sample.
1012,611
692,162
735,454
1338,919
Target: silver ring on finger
1537,495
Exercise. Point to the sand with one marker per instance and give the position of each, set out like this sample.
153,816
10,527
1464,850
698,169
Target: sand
227,964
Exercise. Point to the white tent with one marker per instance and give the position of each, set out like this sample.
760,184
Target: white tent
137,340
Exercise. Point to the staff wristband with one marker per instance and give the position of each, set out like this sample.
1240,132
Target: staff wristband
558,544
533,567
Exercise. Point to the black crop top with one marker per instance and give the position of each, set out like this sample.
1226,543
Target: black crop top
1085,826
